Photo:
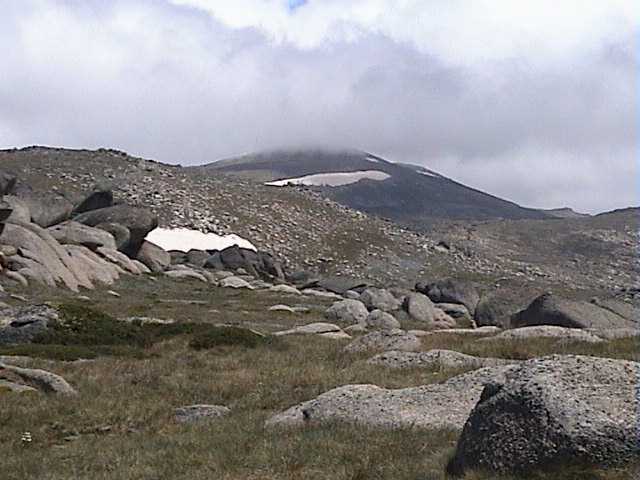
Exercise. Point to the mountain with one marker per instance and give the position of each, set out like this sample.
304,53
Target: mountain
410,194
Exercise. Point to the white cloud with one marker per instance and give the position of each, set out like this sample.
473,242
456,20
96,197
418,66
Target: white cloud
480,90
459,31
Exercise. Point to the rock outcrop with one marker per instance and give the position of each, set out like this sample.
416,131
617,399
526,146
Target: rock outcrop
445,405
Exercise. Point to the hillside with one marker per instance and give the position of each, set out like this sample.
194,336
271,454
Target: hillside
409,194
309,231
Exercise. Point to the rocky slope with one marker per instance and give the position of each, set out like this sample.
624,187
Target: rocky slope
307,230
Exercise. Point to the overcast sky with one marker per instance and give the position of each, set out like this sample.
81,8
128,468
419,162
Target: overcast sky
534,101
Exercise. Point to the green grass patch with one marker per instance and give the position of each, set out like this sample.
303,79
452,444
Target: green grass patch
85,333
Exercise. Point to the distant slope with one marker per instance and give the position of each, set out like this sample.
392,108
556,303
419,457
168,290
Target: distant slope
410,194
565,212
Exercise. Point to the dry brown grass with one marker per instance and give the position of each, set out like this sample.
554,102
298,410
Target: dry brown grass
121,425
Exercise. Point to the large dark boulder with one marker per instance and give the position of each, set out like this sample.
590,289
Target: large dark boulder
549,309
154,257
26,323
270,265
451,291
46,208
7,182
197,258
139,221
102,198
120,233
553,413
214,262
493,311
258,264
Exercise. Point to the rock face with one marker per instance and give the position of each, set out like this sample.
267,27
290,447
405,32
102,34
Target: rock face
347,312
380,299
549,309
445,405
385,340
451,291
551,412
139,222
74,233
434,359
155,258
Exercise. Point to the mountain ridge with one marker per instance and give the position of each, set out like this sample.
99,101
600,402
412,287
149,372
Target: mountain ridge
413,195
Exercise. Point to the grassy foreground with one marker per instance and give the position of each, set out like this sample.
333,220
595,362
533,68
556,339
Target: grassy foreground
121,426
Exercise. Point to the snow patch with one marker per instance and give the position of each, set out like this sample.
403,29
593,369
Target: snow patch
373,159
334,179
184,239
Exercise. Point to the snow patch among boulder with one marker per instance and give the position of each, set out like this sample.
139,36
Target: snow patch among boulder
184,239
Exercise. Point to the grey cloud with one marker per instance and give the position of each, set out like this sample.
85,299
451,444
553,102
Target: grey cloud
184,89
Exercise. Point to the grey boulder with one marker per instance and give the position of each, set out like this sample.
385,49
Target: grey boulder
379,320
380,299
74,233
42,380
22,325
347,312
154,257
553,412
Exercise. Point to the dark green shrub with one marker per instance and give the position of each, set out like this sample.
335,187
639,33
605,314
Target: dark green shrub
229,336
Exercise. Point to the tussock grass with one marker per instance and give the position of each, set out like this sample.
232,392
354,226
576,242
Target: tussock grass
121,425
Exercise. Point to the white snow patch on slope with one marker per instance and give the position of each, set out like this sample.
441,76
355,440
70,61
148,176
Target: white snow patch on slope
373,159
334,179
184,239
